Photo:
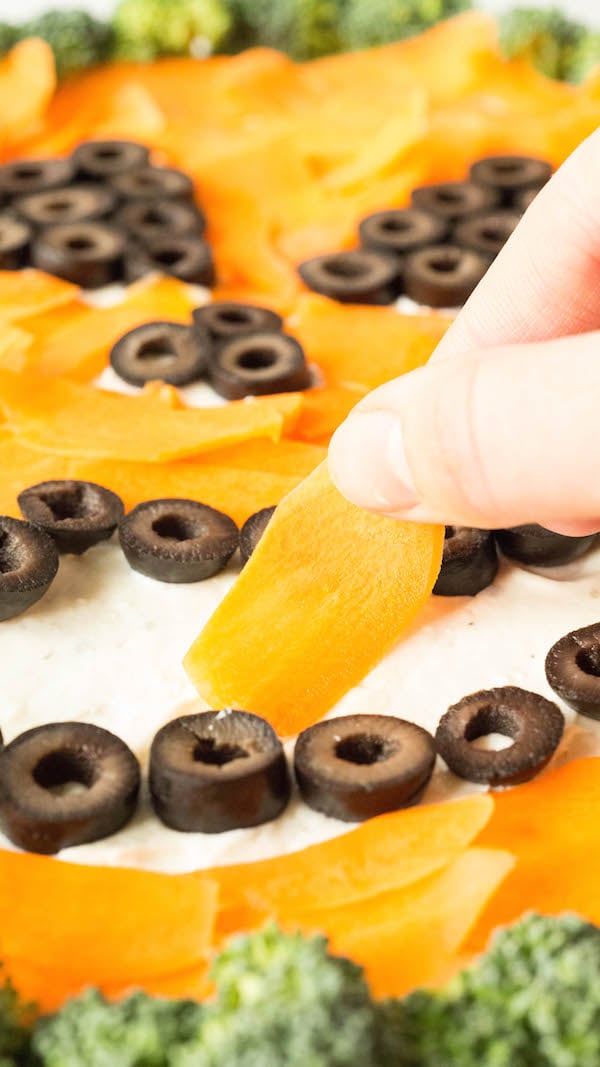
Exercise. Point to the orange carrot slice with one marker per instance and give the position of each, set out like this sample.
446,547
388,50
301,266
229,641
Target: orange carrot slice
102,924
549,824
389,852
363,347
27,82
323,410
407,938
65,418
14,344
30,292
319,625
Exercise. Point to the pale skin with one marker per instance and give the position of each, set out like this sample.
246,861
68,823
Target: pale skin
502,427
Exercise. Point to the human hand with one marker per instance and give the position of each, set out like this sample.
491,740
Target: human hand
502,427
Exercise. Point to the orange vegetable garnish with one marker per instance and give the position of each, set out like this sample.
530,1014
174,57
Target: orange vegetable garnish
101,925
326,594
549,824
30,292
63,417
360,347
386,853
410,937
27,82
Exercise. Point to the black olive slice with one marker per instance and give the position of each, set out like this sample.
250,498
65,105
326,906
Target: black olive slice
28,565
539,547
509,176
252,531
359,766
573,670
26,176
454,200
525,199
89,254
64,784
167,351
78,203
486,234
534,724
76,514
218,771
187,258
226,320
176,540
15,238
360,276
154,183
469,563
104,159
401,230
258,364
160,220
443,275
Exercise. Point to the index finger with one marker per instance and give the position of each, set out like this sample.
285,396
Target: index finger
546,281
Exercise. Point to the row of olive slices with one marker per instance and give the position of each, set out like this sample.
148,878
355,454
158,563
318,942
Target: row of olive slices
71,783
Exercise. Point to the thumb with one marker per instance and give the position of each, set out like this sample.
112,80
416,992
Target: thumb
489,439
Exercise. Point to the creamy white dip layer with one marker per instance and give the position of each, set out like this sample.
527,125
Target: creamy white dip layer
105,645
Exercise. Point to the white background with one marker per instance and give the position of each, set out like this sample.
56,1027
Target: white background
18,10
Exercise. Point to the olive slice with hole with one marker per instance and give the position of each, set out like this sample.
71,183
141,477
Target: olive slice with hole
226,320
159,220
509,176
359,766
89,254
533,724
78,203
76,514
454,200
252,531
486,234
360,276
24,176
258,364
218,771
573,670
443,276
401,230
15,239
165,351
187,258
538,547
469,562
28,565
176,540
65,784
153,183
104,159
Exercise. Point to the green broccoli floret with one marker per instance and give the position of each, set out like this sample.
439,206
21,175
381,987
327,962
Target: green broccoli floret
282,1000
77,39
145,29
16,1020
141,1031
533,999
364,25
583,58
555,44
305,29
9,35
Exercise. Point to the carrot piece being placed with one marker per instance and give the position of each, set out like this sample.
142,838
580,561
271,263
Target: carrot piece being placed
326,594
65,418
407,938
386,853
102,924
550,826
